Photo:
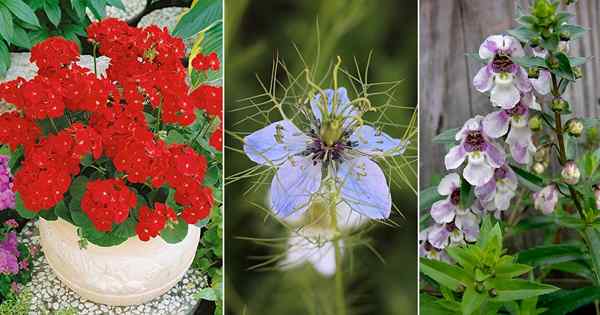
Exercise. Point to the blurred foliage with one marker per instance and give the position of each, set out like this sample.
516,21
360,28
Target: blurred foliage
256,33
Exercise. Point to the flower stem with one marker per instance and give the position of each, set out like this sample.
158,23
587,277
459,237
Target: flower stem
558,129
340,301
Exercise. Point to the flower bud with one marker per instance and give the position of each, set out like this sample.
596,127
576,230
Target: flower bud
493,293
479,287
597,195
553,62
541,155
577,72
546,33
565,36
574,127
533,73
535,123
543,9
545,200
559,105
570,173
538,168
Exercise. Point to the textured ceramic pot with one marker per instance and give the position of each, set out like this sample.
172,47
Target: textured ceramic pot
133,272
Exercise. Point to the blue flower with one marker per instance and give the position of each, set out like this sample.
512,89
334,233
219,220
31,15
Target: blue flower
337,143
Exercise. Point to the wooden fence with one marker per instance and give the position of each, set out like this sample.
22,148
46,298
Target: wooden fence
451,28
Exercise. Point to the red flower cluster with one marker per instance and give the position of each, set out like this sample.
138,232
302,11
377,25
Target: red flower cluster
216,139
205,63
107,202
106,117
152,221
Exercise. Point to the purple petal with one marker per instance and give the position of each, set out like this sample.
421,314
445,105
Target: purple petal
438,236
483,80
455,157
448,184
490,46
495,155
365,188
294,185
344,107
486,192
522,80
443,211
496,124
273,144
374,142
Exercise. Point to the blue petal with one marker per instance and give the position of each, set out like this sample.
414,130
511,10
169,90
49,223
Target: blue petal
364,188
294,185
275,143
371,141
343,108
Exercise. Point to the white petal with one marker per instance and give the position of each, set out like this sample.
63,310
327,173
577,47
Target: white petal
364,188
477,172
374,142
484,79
294,185
504,93
496,124
455,157
448,184
348,219
275,143
443,211
543,83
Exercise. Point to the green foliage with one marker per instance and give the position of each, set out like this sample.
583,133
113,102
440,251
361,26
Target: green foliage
482,278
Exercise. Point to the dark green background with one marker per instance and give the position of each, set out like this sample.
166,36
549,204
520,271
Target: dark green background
255,32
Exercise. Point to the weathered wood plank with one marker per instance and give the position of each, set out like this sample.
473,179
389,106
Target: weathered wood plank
448,30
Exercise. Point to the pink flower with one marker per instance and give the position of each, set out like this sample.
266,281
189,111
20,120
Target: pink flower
545,200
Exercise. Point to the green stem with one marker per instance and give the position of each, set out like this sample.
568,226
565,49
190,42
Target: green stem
53,125
340,301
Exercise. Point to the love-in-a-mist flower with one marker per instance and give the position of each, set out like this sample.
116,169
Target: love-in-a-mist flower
444,211
483,154
336,141
7,196
504,79
545,200
313,239
519,139
498,192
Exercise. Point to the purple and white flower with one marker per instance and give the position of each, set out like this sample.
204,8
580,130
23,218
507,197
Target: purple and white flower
429,251
519,139
444,211
501,76
545,200
335,140
498,192
464,229
483,154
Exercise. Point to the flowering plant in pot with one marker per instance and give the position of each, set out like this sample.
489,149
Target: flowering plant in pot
114,163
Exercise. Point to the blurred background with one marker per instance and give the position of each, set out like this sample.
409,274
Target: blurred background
256,31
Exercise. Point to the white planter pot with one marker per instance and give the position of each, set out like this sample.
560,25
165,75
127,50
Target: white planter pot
133,272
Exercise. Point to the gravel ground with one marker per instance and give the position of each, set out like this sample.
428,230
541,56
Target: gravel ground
50,294
165,17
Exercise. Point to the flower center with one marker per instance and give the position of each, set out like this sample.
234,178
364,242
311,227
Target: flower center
518,110
500,173
455,197
327,148
475,141
502,63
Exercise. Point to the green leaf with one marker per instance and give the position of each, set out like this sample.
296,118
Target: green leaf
21,38
446,137
575,31
78,187
511,270
208,294
174,233
117,4
52,9
580,268
126,229
62,212
530,62
472,301
522,33
20,207
174,137
577,61
592,241
79,8
549,254
48,215
199,18
98,8
467,194
4,59
564,67
428,196
530,180
22,11
430,305
447,275
463,256
6,23
101,238
567,301
518,289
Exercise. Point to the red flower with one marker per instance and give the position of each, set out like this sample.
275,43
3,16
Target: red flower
216,139
16,130
54,53
152,221
205,63
107,202
210,99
